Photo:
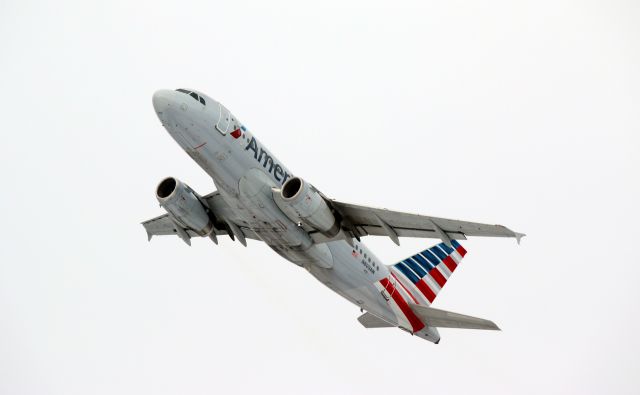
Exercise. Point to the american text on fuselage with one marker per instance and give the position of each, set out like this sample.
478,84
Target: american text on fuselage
262,156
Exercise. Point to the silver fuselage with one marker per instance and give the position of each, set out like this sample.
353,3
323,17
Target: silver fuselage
244,173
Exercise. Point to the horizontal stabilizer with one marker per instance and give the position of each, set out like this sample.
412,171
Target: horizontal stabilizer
369,320
447,319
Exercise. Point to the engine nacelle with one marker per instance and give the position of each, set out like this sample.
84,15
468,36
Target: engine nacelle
301,202
181,202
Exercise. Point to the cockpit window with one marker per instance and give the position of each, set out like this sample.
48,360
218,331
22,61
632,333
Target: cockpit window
194,95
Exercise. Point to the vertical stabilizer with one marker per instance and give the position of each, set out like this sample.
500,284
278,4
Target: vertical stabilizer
424,274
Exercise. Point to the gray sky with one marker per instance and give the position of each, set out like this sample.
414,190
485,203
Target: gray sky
522,114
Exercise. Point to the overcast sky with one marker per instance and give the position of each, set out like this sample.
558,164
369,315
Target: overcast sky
525,114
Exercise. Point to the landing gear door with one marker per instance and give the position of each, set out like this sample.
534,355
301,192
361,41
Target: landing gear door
224,119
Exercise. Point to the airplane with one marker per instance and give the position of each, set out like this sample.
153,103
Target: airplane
259,198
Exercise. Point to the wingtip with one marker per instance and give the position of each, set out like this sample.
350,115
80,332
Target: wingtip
519,236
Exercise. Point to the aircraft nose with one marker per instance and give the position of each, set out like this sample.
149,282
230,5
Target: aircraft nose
162,102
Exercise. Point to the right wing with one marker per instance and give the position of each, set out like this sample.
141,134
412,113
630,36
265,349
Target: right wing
362,221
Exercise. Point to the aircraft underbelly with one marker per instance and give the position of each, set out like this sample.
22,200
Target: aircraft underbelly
248,190
262,214
348,279
346,275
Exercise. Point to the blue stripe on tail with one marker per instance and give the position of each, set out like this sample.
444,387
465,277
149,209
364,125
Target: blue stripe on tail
415,267
418,266
446,248
405,270
423,262
432,258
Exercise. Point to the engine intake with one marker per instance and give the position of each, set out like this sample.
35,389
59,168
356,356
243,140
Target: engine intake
292,187
166,187
301,202
181,202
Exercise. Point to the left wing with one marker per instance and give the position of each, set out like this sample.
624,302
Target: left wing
163,225
223,224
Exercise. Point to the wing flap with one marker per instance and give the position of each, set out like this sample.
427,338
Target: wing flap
447,319
373,230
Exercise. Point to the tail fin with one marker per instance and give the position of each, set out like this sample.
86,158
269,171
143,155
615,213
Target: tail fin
423,275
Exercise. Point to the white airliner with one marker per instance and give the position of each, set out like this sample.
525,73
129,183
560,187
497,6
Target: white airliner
259,198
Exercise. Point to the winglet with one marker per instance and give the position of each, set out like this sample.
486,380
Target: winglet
519,236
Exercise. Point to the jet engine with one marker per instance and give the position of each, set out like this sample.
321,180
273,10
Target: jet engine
183,205
301,202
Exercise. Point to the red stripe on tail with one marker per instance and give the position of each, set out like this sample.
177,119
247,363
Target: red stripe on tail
415,322
426,290
435,273
451,264
405,288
